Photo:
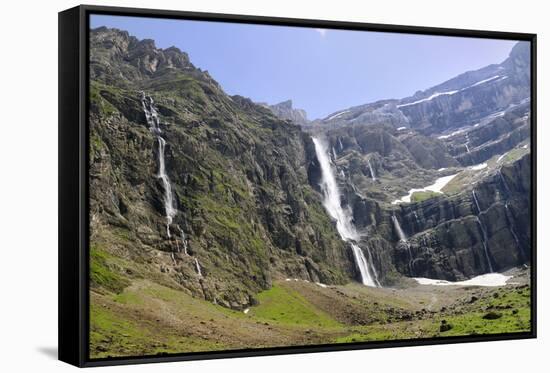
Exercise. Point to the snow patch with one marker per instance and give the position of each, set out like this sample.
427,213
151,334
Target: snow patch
246,311
435,187
488,279
437,94
485,81
457,132
478,167
321,285
442,169
402,128
337,115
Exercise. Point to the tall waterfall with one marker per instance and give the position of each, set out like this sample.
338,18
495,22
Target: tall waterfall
168,196
153,120
342,216
372,174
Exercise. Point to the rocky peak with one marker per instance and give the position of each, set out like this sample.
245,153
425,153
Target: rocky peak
113,46
285,110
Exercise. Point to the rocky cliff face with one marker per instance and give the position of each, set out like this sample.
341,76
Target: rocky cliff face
244,178
245,211
479,224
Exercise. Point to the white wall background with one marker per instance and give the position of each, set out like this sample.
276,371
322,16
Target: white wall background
28,187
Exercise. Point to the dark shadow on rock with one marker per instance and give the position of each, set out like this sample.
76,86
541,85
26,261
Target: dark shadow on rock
50,352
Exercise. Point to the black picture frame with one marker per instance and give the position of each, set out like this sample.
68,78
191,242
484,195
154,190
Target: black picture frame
73,182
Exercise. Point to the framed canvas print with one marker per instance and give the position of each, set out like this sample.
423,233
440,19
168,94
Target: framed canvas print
238,186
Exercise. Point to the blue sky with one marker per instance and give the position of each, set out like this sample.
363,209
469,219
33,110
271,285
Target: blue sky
322,71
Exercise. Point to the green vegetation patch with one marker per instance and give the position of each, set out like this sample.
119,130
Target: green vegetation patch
102,273
504,312
423,195
114,333
286,306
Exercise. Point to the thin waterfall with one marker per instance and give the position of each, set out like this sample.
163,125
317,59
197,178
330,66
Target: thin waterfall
400,233
483,232
511,225
198,267
342,216
484,242
417,219
334,153
372,174
367,277
340,144
475,200
184,241
153,121
168,196
403,238
504,183
371,260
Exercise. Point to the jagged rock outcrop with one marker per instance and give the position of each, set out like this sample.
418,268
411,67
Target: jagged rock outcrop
285,110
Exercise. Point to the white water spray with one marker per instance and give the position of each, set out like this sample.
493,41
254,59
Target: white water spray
198,267
400,233
403,238
372,174
342,216
184,241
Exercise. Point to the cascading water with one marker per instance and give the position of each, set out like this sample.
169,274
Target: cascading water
184,241
198,267
400,233
334,154
153,121
511,225
363,265
475,201
416,218
403,238
484,242
168,196
504,183
372,174
483,232
342,216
